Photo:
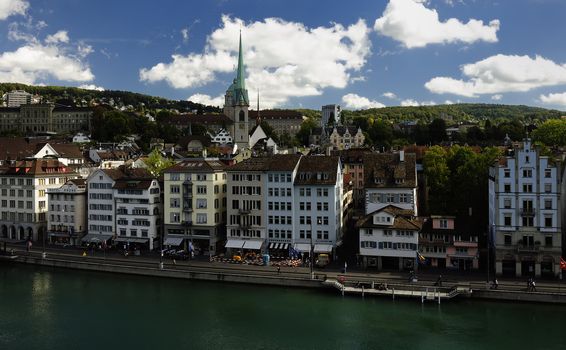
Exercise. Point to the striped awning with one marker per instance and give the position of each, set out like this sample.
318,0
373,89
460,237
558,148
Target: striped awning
94,237
173,241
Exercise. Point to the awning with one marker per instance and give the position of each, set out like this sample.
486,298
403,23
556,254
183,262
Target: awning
253,245
174,241
322,248
234,243
58,234
94,237
303,247
272,245
131,239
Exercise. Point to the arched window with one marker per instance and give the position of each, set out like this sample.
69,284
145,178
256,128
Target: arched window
242,116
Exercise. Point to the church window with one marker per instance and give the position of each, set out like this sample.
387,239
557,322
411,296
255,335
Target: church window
242,116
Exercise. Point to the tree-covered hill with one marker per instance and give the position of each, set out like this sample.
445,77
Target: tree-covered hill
78,96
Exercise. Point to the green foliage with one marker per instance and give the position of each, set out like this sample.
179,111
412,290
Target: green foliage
552,133
156,163
305,131
457,180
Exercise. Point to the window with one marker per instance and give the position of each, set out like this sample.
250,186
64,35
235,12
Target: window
201,203
548,241
507,188
175,189
201,218
528,188
548,221
528,221
547,173
388,233
201,189
175,177
527,173
507,220
507,203
506,173
175,217
548,204
174,203
547,188
443,223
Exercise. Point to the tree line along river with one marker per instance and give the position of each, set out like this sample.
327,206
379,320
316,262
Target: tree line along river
44,308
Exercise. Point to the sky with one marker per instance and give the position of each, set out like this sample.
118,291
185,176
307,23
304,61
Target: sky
298,53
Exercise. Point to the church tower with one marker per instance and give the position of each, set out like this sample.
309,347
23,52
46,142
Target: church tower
236,105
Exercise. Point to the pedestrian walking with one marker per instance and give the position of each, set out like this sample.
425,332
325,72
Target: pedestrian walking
495,284
29,244
345,266
279,269
438,281
533,286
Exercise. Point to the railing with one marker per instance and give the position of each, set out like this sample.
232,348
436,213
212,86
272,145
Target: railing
244,211
521,248
527,212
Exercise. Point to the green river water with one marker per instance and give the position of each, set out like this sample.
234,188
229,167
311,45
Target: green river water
43,308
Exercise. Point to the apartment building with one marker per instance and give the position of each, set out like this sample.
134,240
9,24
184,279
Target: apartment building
195,205
23,196
66,217
525,212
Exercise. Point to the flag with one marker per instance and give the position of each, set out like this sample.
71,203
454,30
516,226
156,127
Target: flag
562,264
421,258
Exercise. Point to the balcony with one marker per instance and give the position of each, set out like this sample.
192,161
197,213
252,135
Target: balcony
244,211
187,223
522,248
188,209
527,212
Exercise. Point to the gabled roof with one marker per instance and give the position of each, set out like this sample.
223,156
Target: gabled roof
404,219
463,226
317,170
352,155
189,166
274,114
386,170
36,167
277,162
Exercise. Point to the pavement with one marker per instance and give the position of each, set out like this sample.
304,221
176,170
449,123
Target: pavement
475,280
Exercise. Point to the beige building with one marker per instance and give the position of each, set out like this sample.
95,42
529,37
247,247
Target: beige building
66,217
23,196
195,205
246,227
45,117
282,121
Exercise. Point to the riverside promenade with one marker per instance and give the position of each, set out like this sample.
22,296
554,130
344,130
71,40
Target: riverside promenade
354,282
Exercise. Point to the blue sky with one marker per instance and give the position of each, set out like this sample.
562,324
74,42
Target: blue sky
299,53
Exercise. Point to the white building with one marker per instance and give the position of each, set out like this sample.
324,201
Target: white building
330,114
66,218
101,206
389,239
23,196
318,204
138,209
280,211
390,179
525,213
16,98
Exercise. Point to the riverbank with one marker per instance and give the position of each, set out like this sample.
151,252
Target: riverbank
355,284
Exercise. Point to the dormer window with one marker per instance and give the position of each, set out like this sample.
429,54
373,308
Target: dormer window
399,181
378,180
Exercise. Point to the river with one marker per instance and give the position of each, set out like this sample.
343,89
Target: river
42,308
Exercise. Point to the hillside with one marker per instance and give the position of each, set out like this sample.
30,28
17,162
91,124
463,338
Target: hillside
459,112
76,96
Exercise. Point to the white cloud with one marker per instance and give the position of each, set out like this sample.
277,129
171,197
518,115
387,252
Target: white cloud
283,59
389,95
410,102
497,97
414,25
32,63
353,101
60,37
91,87
554,99
499,74
207,100
12,7
185,34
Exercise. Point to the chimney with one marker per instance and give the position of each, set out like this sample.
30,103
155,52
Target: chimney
401,156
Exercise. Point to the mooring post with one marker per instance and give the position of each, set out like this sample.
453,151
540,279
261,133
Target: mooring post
362,291
393,293
438,297
422,297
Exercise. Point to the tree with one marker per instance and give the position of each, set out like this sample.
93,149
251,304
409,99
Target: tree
552,133
437,131
304,132
156,163
381,134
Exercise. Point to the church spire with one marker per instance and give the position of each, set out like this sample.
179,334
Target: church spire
240,80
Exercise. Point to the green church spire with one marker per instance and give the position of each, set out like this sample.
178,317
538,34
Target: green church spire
240,92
